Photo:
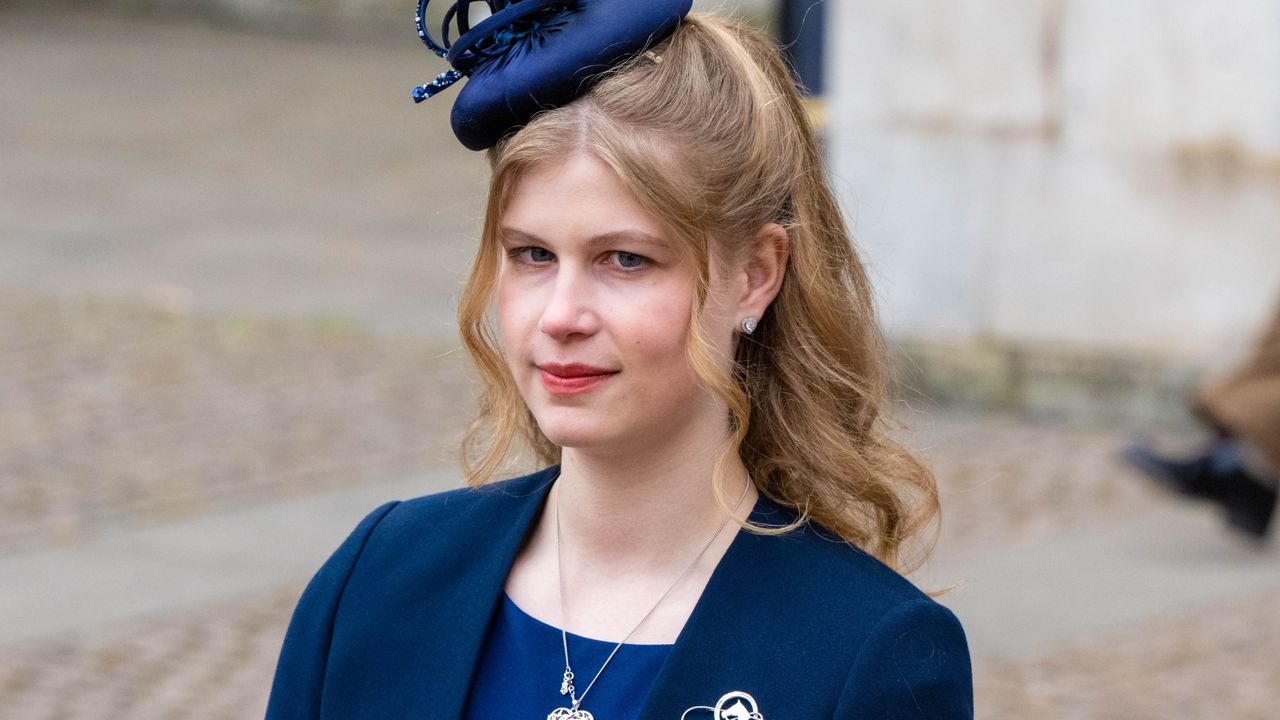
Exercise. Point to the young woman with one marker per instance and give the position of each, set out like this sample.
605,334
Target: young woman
666,309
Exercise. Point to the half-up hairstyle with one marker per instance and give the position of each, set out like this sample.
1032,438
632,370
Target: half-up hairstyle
710,136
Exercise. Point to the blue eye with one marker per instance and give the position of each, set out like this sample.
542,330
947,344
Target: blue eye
531,254
630,261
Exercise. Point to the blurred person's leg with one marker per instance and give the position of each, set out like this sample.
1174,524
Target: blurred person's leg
1241,469
1246,404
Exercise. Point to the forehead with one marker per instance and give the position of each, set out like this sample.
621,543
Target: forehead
577,197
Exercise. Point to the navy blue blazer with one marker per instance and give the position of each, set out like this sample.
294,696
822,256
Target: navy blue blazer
811,627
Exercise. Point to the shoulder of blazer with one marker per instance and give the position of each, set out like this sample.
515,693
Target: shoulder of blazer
807,604
468,510
451,534
820,568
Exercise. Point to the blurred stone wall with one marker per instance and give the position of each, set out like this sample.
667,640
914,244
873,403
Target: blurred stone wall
1035,180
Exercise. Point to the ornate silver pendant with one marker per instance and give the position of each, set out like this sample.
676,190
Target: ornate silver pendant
565,713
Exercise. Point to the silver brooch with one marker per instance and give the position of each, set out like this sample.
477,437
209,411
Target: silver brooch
735,705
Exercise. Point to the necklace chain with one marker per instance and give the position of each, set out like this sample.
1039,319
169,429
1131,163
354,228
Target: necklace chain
566,687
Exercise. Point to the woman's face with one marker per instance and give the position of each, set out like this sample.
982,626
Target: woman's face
593,301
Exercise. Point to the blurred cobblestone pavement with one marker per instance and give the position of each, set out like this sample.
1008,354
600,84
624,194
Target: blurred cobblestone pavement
1220,662
120,412
209,662
148,383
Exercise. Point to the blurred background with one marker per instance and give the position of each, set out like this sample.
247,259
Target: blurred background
231,246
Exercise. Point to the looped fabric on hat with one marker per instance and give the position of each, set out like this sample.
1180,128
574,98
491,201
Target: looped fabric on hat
532,55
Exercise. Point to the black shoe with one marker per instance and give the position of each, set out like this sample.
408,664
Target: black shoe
1250,505
1192,477
1220,476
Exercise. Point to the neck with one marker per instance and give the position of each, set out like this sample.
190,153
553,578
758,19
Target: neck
646,511
629,527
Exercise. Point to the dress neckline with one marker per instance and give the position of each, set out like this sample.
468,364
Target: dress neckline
545,627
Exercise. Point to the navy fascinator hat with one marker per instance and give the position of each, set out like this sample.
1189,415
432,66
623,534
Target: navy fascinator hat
532,55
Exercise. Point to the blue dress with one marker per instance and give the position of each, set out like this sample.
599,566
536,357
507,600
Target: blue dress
520,669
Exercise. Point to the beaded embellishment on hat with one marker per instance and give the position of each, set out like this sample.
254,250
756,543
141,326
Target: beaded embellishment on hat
532,55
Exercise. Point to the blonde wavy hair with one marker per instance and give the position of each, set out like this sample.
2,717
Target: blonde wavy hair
709,134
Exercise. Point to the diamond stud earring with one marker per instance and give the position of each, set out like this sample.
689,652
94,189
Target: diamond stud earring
748,325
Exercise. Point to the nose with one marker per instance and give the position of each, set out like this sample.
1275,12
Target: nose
569,310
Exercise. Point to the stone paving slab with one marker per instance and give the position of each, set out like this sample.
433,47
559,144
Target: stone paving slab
1109,573
150,570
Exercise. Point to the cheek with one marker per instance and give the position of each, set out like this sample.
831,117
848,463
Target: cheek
514,310
657,334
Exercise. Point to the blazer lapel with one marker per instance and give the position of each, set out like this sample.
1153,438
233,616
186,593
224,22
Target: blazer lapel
707,659
452,619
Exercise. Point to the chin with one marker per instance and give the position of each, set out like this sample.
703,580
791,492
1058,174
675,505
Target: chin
576,432
577,438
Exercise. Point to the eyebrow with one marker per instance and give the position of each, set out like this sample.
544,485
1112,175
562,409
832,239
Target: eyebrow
623,236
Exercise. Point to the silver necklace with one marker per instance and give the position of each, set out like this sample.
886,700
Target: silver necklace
574,711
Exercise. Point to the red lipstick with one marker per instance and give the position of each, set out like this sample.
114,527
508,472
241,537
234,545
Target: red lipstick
572,378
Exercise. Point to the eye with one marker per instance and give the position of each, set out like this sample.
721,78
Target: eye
531,254
629,261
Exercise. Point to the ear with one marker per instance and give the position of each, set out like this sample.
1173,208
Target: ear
763,270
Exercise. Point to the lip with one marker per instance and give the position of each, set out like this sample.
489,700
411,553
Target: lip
573,378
